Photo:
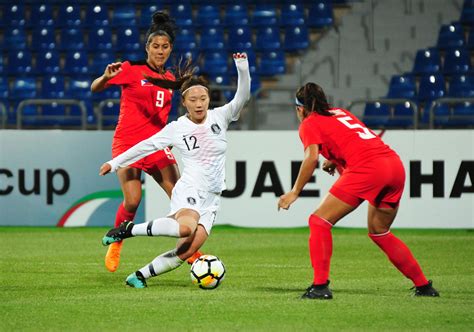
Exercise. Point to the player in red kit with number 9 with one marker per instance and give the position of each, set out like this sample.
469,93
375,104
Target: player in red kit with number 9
371,171
144,110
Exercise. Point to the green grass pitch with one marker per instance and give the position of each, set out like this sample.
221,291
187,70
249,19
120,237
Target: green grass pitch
54,279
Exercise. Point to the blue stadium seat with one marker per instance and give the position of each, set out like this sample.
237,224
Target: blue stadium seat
402,86
48,62
182,13
450,35
3,88
96,15
264,15
376,115
185,41
212,39
53,87
320,14
43,38
128,39
100,62
236,15
69,16
100,39
15,14
272,63
76,63
20,62
80,89
71,39
461,86
147,12
23,88
215,63
239,38
220,80
14,38
41,15
467,13
292,14
124,16
431,87
296,38
427,61
208,16
2,69
462,115
111,113
402,116
267,39
457,60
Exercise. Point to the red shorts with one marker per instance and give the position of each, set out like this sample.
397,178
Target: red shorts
380,182
152,163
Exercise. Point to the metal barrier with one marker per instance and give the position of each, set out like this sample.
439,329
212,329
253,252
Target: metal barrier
391,102
3,115
449,101
40,102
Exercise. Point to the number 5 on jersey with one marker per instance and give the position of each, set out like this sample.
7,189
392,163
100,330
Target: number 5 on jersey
365,134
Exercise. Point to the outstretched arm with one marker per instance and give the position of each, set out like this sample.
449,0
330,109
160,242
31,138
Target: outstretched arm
146,147
242,95
307,168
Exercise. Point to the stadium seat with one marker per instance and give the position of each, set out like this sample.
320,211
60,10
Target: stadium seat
461,86
212,39
41,15
208,16
220,96
128,39
462,115
239,38
427,61
71,39
69,16
14,38
3,88
450,35
96,15
53,87
467,13
20,62
146,14
457,60
320,14
100,62
15,14
272,63
23,88
185,41
267,39
376,115
80,89
124,16
402,116
100,39
296,38
2,68
402,86
264,15
292,14
76,63
43,38
236,16
431,87
215,63
182,13
48,62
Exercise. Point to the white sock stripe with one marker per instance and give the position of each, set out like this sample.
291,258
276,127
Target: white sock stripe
387,232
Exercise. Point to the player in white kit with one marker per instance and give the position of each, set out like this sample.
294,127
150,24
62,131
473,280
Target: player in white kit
200,137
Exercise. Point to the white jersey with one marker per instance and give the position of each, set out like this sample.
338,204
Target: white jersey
202,146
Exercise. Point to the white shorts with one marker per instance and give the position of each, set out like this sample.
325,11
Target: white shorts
205,203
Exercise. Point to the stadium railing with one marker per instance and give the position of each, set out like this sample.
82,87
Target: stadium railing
453,119
59,118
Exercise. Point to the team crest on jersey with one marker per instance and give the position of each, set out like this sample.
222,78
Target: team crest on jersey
145,82
216,129
191,200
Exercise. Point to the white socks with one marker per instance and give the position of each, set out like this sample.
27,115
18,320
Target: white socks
161,264
157,227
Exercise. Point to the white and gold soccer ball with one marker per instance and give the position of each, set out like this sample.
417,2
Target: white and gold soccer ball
207,272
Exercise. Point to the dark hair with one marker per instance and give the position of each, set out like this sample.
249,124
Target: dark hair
195,80
181,72
161,25
313,99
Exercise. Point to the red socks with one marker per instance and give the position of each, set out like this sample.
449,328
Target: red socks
320,248
123,215
400,256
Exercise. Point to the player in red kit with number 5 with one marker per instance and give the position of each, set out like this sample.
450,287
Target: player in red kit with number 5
371,171
144,110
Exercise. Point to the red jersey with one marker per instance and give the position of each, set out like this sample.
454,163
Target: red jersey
342,138
144,107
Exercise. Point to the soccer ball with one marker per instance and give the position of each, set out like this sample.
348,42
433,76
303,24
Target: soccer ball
207,272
